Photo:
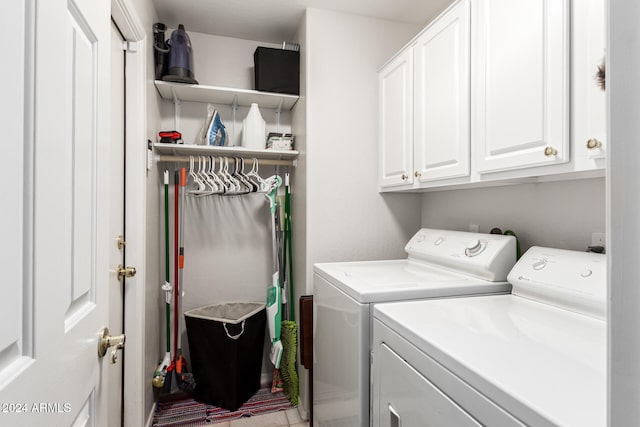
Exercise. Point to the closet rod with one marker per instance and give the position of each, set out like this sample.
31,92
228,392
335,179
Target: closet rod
185,159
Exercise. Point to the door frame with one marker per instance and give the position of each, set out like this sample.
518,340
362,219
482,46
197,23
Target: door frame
135,388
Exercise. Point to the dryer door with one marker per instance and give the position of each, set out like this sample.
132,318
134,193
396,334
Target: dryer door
405,398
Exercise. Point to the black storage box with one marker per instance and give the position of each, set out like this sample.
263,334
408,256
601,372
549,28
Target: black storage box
226,343
277,70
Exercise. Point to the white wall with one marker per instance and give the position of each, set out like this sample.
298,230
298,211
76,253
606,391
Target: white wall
556,214
338,214
623,89
346,217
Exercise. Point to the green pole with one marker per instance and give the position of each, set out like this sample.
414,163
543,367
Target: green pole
166,256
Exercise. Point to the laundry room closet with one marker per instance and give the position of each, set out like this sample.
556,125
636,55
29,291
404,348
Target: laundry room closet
334,198
228,248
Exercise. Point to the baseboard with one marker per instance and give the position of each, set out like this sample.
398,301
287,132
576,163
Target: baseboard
304,414
266,379
150,417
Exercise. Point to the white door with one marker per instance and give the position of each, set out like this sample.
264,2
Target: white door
520,89
395,89
441,80
55,257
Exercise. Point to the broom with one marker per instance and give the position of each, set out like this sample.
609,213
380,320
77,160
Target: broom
289,330
160,374
274,293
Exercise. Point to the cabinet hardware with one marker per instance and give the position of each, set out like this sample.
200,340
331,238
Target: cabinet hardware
417,174
593,143
404,177
550,151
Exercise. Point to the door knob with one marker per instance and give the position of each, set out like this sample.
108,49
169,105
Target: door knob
593,143
126,272
106,341
550,151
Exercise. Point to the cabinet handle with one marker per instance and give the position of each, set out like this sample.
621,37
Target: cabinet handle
550,151
417,174
593,143
404,177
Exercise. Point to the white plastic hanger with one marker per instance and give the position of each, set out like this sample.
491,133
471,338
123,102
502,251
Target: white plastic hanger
201,187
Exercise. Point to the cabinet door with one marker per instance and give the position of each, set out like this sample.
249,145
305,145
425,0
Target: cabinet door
395,88
441,79
520,90
589,114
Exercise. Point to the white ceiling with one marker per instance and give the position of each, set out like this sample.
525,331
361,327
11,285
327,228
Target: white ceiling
277,20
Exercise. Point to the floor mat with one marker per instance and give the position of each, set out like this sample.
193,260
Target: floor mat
188,412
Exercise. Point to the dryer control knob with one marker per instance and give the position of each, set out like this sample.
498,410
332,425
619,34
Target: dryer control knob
474,247
586,272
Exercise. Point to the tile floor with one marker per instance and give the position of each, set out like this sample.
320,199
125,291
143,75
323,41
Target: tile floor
287,418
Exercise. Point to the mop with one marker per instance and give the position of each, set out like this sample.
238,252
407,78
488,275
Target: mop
289,332
274,293
160,374
185,380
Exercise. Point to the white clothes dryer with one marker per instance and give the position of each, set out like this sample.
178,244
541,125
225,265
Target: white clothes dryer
440,264
536,357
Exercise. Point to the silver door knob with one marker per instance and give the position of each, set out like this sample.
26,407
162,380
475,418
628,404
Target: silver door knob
404,177
550,151
417,174
107,341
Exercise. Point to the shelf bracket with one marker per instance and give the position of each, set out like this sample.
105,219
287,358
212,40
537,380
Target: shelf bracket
278,111
176,110
234,109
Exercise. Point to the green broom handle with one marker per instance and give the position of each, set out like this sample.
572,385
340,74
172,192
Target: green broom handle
166,254
287,243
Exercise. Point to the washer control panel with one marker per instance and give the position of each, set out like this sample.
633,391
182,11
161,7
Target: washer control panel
573,280
487,256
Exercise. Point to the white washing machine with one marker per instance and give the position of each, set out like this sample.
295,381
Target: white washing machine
536,357
440,264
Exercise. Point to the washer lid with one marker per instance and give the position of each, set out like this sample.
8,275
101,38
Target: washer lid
395,280
542,364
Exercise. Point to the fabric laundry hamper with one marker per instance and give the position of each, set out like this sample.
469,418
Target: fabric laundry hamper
226,342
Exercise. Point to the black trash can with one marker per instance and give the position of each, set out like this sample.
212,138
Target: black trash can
226,342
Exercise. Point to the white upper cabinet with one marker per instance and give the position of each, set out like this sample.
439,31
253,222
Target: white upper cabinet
441,103
424,105
588,103
520,86
395,89
495,91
